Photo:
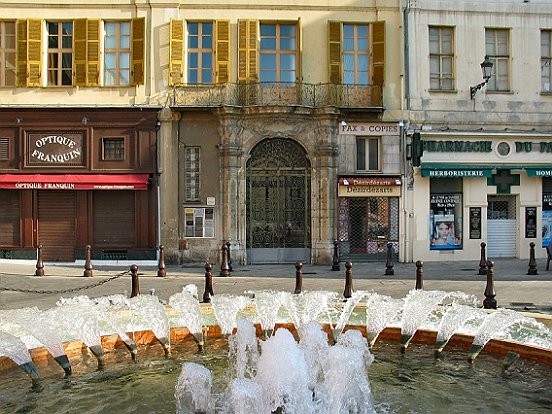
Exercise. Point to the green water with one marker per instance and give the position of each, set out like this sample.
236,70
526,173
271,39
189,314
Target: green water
411,383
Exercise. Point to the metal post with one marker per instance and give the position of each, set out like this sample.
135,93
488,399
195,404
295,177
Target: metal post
490,301
224,267
347,293
532,262
298,278
483,260
419,275
135,282
335,263
39,263
389,265
229,258
88,262
161,272
208,292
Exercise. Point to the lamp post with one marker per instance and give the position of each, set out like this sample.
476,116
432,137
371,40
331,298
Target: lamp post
487,69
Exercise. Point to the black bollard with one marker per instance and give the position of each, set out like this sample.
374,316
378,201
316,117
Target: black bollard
161,270
224,267
389,265
419,275
483,260
135,283
39,263
532,262
335,263
208,292
298,278
88,262
490,301
229,258
347,293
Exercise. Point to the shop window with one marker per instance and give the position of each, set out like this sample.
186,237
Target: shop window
4,149
546,60
191,173
117,53
445,214
497,48
7,53
200,222
441,58
546,211
368,154
113,149
60,53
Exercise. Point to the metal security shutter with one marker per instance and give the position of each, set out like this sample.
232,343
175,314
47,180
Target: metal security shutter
9,218
114,219
56,225
501,227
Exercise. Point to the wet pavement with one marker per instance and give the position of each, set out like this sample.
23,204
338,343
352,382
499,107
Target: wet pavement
19,287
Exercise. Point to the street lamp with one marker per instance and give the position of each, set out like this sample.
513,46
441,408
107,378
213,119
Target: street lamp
487,68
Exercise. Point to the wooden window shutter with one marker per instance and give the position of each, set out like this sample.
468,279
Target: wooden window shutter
247,50
21,65
176,52
222,51
137,51
93,52
378,53
34,52
334,52
298,71
79,36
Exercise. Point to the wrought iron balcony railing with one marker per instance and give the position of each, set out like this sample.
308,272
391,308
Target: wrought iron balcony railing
368,97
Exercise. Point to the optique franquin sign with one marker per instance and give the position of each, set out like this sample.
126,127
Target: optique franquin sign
55,149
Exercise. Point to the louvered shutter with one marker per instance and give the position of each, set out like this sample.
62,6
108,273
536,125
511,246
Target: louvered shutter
176,52
247,50
222,51
298,67
137,53
79,36
378,53
334,52
9,220
93,52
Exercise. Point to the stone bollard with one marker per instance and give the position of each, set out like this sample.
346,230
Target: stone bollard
208,292
483,260
161,269
490,301
347,293
298,278
135,282
229,258
224,267
389,265
419,275
532,262
88,262
335,262
39,263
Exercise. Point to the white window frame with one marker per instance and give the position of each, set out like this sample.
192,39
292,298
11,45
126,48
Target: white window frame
546,60
439,56
368,143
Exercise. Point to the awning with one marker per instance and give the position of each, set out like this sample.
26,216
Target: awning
74,181
465,170
539,171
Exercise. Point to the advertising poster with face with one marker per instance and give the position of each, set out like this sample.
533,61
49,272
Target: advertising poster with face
546,219
445,222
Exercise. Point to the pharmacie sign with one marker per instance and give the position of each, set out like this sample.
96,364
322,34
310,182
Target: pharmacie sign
55,149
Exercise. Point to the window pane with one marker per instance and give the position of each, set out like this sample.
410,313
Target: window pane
373,154
110,28
362,78
66,60
67,77
362,31
206,60
192,60
268,30
110,78
361,153
349,78
287,62
362,63
268,76
362,44
192,76
124,28
348,30
124,77
206,76
124,60
67,28
349,62
110,42
348,45
287,44
287,76
193,42
207,28
110,60
193,28
268,61
207,42
287,30
268,43
125,42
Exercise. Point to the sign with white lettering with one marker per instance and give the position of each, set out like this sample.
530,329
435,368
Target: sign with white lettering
369,191
55,149
377,129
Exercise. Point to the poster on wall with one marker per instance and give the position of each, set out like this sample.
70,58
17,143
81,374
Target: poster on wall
445,222
546,219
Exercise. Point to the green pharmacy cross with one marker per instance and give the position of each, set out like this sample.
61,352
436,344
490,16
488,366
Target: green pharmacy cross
503,180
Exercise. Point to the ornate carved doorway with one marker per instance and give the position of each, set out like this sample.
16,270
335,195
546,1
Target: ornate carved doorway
278,203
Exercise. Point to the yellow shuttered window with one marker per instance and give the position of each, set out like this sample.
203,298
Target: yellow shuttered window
378,53
93,52
79,39
222,51
138,50
21,57
248,50
334,52
176,52
29,53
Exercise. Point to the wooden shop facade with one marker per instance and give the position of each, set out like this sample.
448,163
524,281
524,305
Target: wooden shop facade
76,177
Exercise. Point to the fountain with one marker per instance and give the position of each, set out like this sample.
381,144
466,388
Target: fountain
280,352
